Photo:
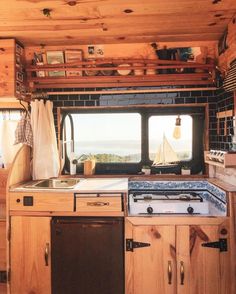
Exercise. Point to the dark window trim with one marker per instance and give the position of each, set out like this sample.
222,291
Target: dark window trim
200,119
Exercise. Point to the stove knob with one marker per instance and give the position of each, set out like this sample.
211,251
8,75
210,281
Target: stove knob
190,210
149,210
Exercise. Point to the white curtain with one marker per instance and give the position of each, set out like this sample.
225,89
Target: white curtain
7,139
45,162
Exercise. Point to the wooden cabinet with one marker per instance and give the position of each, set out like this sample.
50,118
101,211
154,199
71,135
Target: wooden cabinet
12,73
3,242
173,260
44,201
30,255
3,285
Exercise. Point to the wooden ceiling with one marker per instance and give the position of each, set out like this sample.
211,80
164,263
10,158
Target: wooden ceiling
67,22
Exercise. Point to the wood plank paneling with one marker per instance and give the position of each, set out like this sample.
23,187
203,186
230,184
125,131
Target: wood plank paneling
114,21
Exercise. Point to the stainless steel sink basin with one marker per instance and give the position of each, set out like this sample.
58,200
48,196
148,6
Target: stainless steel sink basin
54,184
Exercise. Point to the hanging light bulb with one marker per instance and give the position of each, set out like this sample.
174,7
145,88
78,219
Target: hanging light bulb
177,129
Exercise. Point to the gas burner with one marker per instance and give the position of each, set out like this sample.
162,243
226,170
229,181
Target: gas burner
149,202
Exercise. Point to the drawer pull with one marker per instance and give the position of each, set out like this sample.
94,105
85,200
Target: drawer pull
98,203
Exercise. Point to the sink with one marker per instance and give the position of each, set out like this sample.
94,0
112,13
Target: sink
54,184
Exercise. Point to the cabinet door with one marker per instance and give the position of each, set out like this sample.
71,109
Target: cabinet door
201,270
29,255
3,288
152,269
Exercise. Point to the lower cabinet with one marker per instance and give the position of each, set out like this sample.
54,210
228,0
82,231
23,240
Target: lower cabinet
168,259
67,255
3,266
30,255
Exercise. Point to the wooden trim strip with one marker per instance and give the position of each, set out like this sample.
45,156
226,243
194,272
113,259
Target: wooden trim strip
131,91
224,114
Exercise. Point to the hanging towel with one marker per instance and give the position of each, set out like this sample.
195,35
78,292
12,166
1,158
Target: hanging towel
45,154
23,132
55,154
34,125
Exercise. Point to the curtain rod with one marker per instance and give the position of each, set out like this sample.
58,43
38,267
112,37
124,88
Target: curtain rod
131,91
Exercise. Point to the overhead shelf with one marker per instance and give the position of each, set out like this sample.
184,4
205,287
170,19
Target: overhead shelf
226,160
120,73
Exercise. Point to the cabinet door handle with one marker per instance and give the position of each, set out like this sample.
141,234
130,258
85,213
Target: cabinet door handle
98,203
169,272
181,273
46,254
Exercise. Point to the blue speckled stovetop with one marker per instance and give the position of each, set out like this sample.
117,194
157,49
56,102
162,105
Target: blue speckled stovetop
208,191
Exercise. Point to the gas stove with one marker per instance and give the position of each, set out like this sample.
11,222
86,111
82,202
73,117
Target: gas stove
151,202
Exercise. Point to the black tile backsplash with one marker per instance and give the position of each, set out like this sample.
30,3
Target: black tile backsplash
225,101
218,101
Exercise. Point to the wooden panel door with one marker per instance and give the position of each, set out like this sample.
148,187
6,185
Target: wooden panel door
153,267
3,266
201,270
29,255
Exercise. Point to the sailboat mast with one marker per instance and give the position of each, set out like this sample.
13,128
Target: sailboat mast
163,149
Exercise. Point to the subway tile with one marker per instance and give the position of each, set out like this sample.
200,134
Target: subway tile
73,97
84,97
68,103
90,103
57,103
79,103
201,99
190,100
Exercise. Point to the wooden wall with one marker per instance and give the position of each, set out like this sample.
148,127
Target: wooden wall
230,54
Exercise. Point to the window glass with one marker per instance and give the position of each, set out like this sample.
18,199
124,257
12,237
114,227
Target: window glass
13,115
108,137
161,137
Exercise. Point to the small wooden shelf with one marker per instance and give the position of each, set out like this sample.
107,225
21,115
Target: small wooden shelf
164,73
229,160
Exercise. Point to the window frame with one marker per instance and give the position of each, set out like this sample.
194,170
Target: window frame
199,113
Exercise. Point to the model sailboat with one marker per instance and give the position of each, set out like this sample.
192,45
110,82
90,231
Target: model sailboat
165,156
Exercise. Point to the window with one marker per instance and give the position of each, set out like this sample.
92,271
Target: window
123,139
107,137
7,115
160,126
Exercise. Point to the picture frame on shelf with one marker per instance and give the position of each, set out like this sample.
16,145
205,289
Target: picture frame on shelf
18,60
19,76
40,59
73,56
55,57
19,49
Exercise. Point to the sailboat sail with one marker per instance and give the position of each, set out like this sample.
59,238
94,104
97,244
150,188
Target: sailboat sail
165,154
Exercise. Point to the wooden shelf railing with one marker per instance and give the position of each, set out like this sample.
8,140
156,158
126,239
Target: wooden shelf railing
143,72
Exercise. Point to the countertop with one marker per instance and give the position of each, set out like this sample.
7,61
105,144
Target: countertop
98,185
102,184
